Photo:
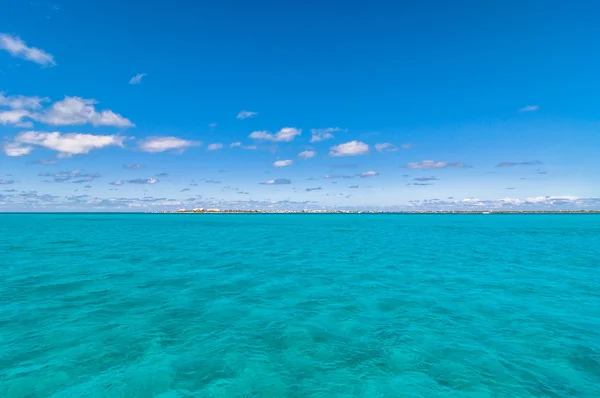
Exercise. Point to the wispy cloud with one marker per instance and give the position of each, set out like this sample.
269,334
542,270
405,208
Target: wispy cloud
132,166
214,147
46,162
143,181
118,182
163,144
286,134
368,174
137,79
246,114
353,186
278,181
337,176
18,48
239,145
313,189
352,148
425,179
307,154
6,182
529,108
430,164
65,144
407,146
513,164
386,147
282,163
74,176
323,134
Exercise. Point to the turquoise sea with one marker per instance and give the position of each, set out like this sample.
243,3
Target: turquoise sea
135,305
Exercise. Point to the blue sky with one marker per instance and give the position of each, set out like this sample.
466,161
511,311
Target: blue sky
124,105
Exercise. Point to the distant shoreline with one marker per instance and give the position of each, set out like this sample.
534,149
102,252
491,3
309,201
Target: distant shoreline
487,212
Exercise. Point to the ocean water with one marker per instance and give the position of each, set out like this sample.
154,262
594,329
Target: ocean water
110,305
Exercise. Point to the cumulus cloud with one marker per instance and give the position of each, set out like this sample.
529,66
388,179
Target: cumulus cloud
67,112
65,144
16,149
307,154
430,164
323,134
278,181
143,181
162,144
21,101
513,164
352,148
286,134
368,174
137,79
18,48
14,116
313,189
529,108
386,147
246,114
214,147
77,110
282,163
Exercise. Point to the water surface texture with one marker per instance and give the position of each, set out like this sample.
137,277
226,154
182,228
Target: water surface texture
171,306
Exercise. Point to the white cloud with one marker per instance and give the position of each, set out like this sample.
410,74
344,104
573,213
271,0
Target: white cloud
239,145
430,164
386,147
143,181
14,116
246,114
368,174
529,108
16,149
307,154
407,146
118,182
21,101
137,79
76,110
279,181
282,163
286,134
214,147
69,111
351,148
323,134
66,144
162,144
18,48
